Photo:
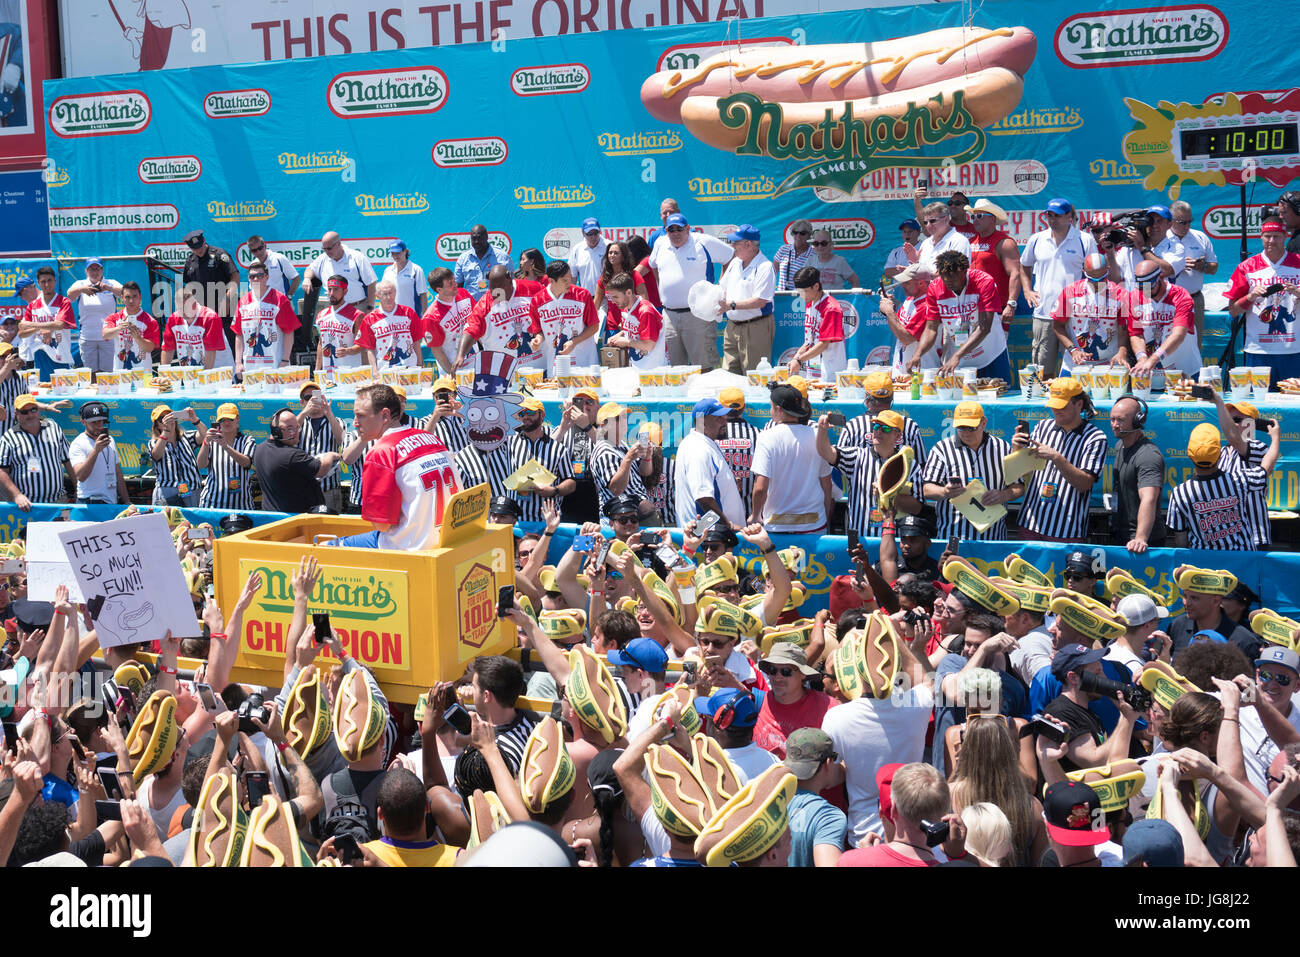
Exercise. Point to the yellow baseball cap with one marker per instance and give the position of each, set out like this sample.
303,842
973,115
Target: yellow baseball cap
307,386
401,393
891,418
1063,390
967,413
27,400
732,397
531,404
610,410
5,348
1244,408
444,384
800,383
587,393
154,416
227,410
879,384
1204,445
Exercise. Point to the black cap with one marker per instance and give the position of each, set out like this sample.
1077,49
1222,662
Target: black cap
503,505
233,523
1081,561
621,505
194,239
94,410
789,399
1292,198
32,615
721,532
1243,594
914,526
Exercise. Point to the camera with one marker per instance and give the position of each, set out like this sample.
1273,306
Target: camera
1135,695
912,617
252,707
1117,232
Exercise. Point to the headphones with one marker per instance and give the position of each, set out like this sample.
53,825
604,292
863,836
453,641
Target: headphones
1139,417
277,433
724,716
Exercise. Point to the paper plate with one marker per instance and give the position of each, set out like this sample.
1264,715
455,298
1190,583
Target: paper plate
702,300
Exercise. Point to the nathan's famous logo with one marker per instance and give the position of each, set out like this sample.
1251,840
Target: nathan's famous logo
169,169
343,592
554,197
392,204
1114,172
469,507
1037,121
817,107
100,114
170,254
478,151
639,144
420,89
687,56
1224,222
1129,37
241,211
732,187
845,233
303,252
9,280
225,104
451,246
542,80
332,161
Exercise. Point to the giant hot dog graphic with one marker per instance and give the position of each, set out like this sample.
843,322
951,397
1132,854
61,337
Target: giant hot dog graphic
807,102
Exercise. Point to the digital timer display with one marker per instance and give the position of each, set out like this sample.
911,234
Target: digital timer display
1274,139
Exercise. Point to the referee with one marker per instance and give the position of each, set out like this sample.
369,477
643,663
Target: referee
879,387
490,468
861,470
445,422
971,453
227,454
532,440
1209,510
31,456
1056,502
1239,451
321,432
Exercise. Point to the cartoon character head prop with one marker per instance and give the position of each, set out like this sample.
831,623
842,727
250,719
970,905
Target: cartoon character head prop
487,416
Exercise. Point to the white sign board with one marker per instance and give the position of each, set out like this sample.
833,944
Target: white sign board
132,581
47,562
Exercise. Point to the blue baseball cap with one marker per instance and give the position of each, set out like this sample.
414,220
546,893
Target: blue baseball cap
1074,658
1277,655
910,224
675,219
644,653
746,706
590,225
397,246
1162,211
1155,842
95,261
1208,634
745,231
1059,206
710,406
22,283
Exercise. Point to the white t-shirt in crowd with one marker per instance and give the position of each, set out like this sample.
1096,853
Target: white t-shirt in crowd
102,481
1196,245
680,269
703,472
787,455
757,279
750,761
1257,748
352,266
835,271
584,263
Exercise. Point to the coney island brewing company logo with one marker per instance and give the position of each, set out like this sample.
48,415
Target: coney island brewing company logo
420,89
450,246
240,211
478,151
1129,37
100,114
332,161
638,144
554,197
543,80
224,104
169,169
392,204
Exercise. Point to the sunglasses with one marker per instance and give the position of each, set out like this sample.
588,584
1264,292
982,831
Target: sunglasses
800,232
257,275
1183,222
28,411
329,248
1238,419
255,249
785,671
820,242
958,203
881,427
1076,576
625,520
967,428
676,229
716,642
1282,681
931,222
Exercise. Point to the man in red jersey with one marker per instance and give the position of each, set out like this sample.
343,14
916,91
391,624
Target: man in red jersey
963,302
498,319
1162,323
336,328
992,250
45,332
264,323
1090,318
562,319
445,319
390,335
1265,288
193,335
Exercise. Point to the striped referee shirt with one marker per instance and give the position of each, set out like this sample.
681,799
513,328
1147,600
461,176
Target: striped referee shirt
1053,507
10,389
478,468
951,457
1212,509
860,467
177,466
317,439
451,430
552,456
857,431
227,483
513,737
737,444
664,494
1256,503
35,462
605,462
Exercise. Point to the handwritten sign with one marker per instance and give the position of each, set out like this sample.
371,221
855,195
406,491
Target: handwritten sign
132,580
47,563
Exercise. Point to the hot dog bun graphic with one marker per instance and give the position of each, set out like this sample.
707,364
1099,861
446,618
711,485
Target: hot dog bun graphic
879,78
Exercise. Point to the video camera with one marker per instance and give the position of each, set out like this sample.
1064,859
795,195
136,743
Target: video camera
1135,695
1116,234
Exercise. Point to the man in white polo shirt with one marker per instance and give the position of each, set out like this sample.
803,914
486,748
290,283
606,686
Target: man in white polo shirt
1199,260
941,235
585,259
680,259
748,287
704,478
93,455
1056,255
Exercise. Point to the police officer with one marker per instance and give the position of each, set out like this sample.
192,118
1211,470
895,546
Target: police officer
212,275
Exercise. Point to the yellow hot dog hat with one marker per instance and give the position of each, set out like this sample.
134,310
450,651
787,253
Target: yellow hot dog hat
714,769
307,720
677,795
685,695
665,594
217,836
153,737
1022,571
1114,783
526,605
1274,628
564,627
893,476
715,573
978,587
797,633
880,658
546,578
1087,615
272,839
1034,598
1120,584
846,665
359,720
798,594
617,548
793,558
487,815
546,772
719,617
1199,814
1165,684
13,549
131,674
1206,581
595,698
751,823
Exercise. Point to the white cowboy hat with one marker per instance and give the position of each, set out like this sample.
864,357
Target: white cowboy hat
984,206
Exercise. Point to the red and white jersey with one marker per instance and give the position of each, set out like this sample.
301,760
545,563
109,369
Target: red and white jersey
984,257
262,324
128,353
912,314
959,314
559,320
190,340
338,330
410,475
823,321
1095,316
643,321
1153,321
1270,324
394,338
445,321
502,326
59,344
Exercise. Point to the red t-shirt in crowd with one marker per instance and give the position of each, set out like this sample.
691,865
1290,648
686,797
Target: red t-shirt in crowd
984,257
777,721
880,855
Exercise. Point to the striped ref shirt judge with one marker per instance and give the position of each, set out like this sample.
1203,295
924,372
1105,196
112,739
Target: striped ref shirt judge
228,484
857,431
1212,509
1255,506
552,456
1055,509
952,458
860,467
37,463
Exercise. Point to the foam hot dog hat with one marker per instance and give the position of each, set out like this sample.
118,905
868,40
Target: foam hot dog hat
1165,684
714,769
1198,812
1120,584
793,558
978,587
617,548
487,815
272,838
1114,783
564,627
893,476
797,633
1206,581
546,772
845,664
1031,597
217,835
595,698
1087,615
1274,628
715,573
688,716
153,736
665,594
798,594
751,822
307,720
720,617
1022,571
131,674
880,657
677,795
359,720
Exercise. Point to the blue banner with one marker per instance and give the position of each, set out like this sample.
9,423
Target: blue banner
13,520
